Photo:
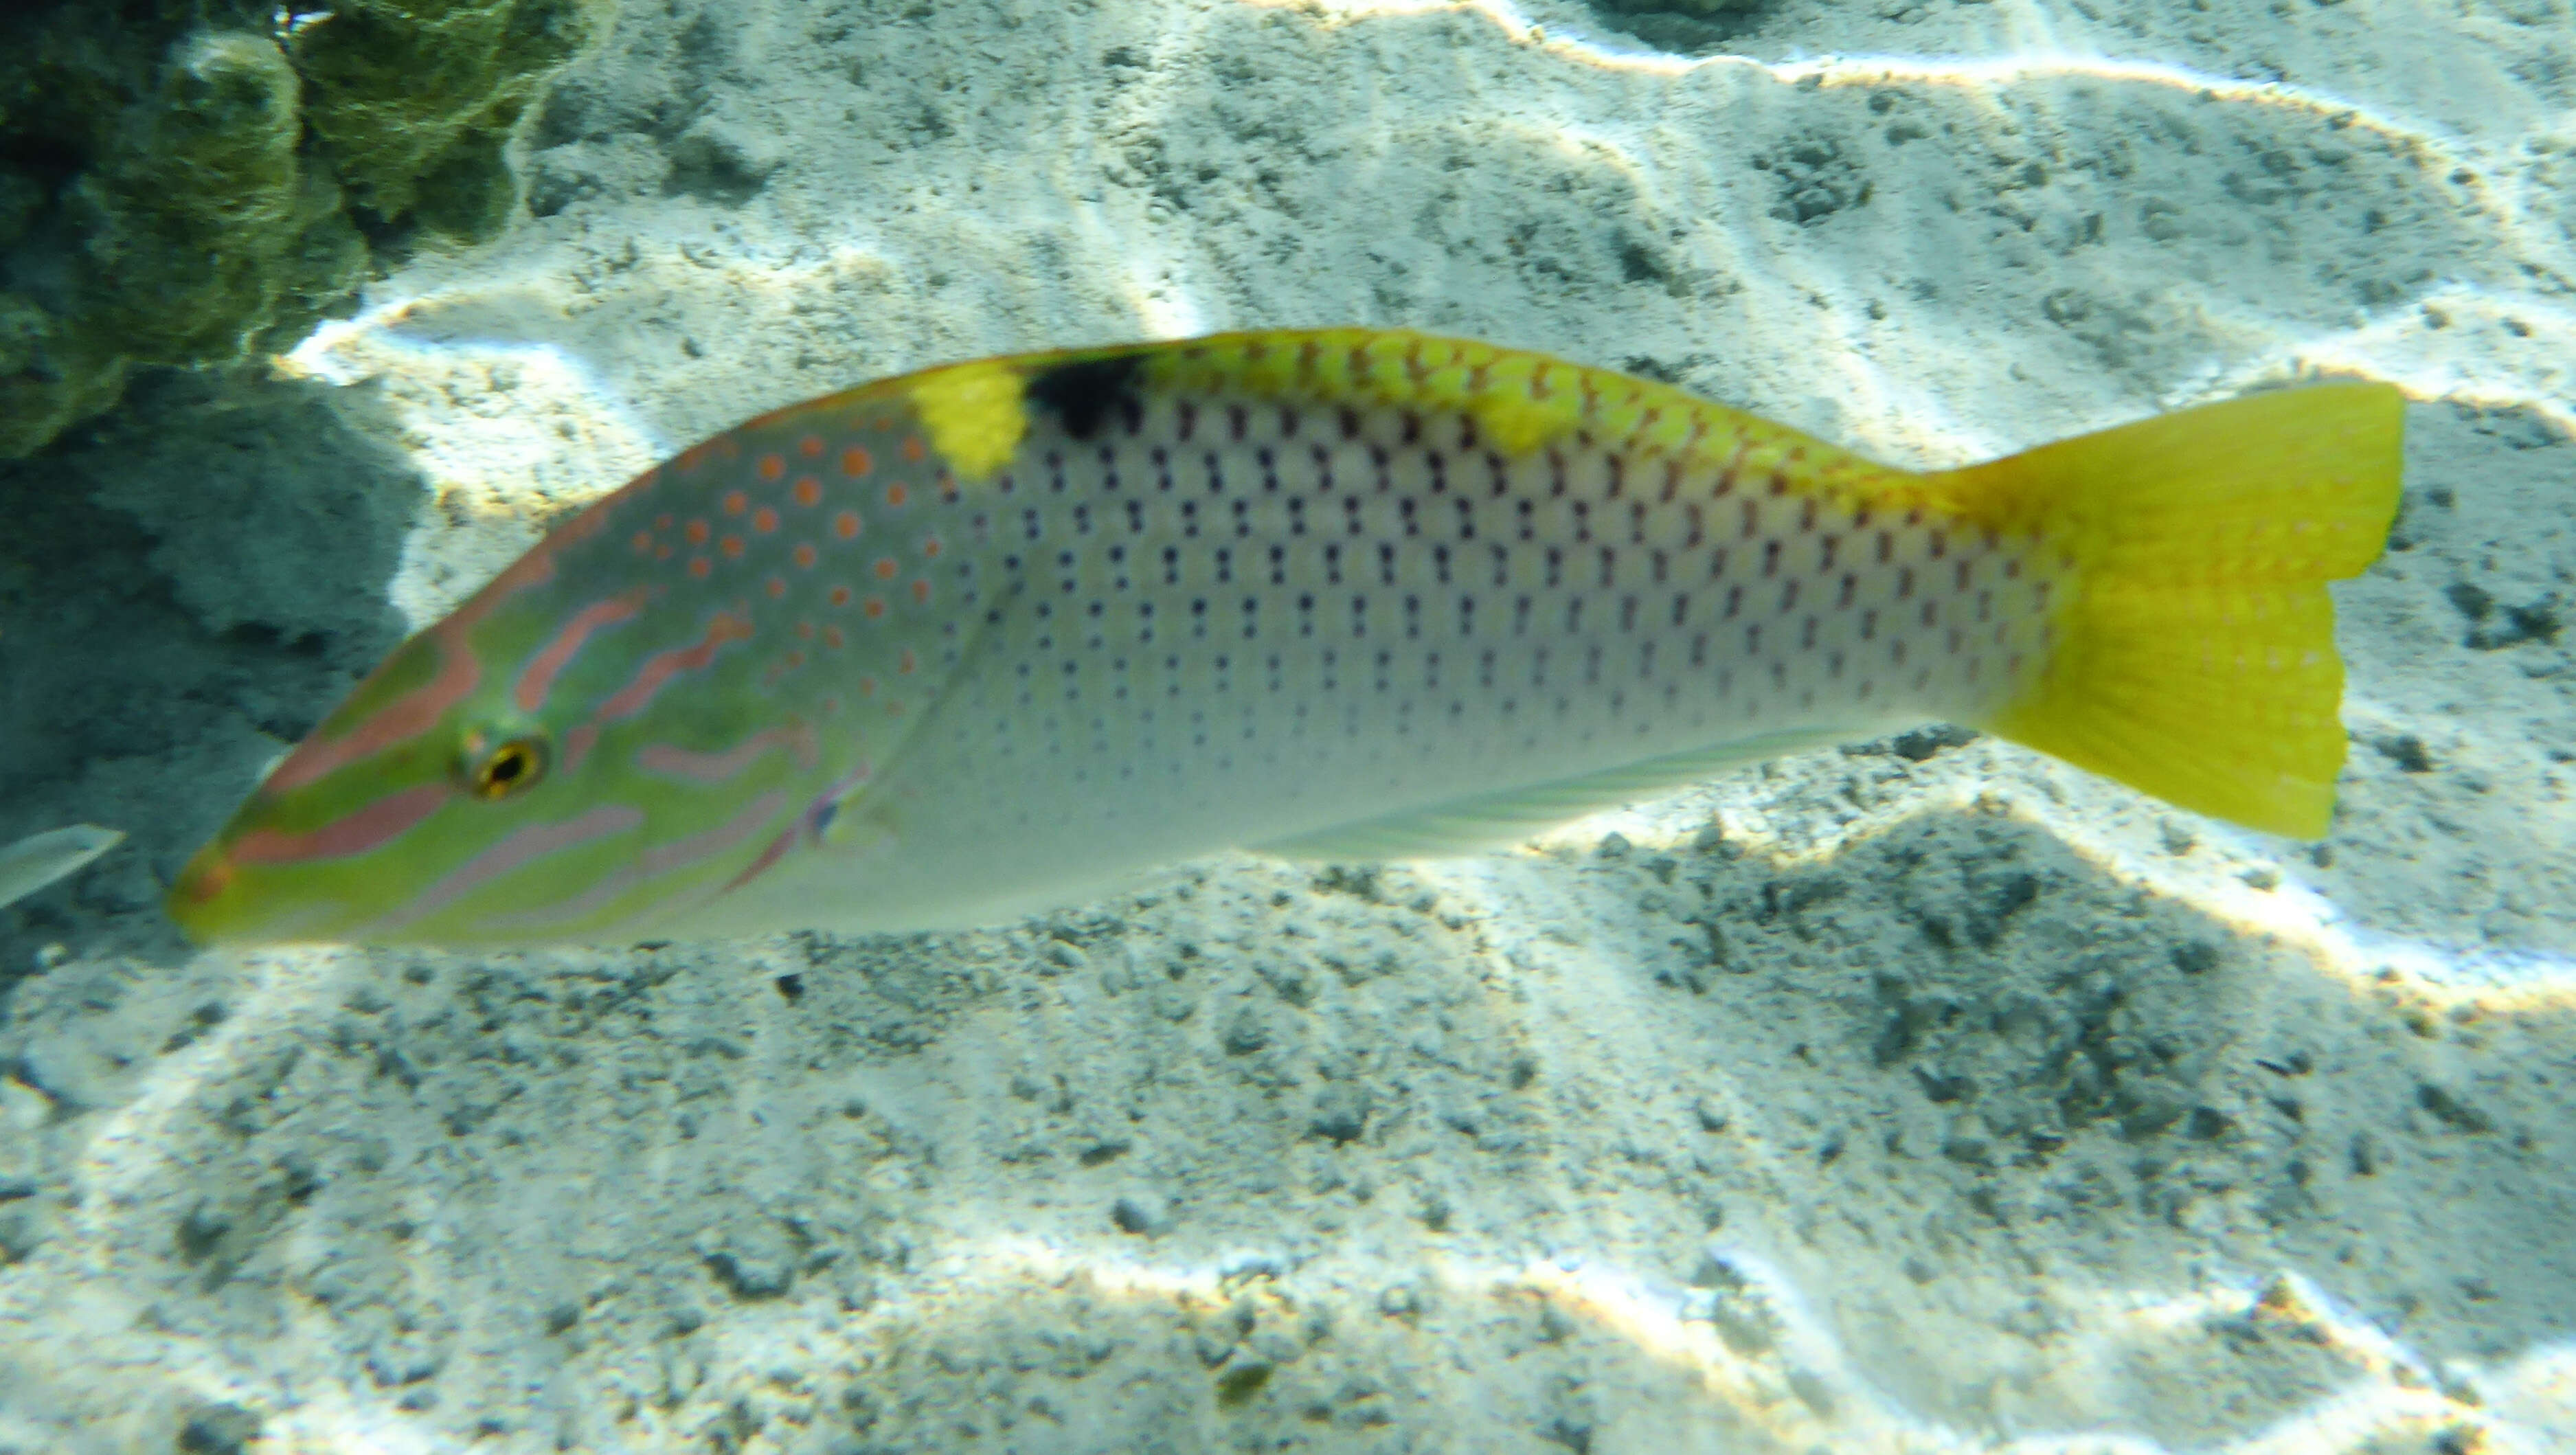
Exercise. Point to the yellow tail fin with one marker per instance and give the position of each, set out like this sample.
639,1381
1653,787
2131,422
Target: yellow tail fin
2196,657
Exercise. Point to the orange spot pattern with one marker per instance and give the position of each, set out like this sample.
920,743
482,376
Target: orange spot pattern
702,546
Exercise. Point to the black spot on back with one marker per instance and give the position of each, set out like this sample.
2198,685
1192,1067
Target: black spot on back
1083,396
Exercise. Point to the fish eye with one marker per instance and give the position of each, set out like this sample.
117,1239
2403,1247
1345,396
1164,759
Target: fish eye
512,767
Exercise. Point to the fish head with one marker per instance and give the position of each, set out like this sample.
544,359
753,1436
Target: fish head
557,761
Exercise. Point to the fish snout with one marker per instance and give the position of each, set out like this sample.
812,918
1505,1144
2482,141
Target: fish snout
204,901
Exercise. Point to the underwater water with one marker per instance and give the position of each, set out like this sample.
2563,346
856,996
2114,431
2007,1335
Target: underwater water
1924,1094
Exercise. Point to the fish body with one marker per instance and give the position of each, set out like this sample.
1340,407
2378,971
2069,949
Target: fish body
994,637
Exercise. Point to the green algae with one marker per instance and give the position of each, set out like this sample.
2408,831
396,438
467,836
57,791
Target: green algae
210,229
190,183
415,98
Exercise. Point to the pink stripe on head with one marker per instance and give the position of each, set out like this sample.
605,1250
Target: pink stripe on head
653,863
371,827
777,850
417,711
723,766
578,743
524,847
539,678
661,667
399,721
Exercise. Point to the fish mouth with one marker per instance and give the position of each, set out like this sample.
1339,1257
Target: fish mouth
195,901
212,905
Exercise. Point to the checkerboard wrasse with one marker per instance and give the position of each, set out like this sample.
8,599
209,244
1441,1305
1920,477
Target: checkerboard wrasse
997,637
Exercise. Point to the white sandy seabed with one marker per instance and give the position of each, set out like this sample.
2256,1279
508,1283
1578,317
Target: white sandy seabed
1925,1097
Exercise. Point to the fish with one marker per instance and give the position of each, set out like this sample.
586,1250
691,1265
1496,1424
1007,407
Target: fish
1009,635
37,860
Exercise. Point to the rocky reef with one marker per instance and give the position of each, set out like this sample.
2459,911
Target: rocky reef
187,183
